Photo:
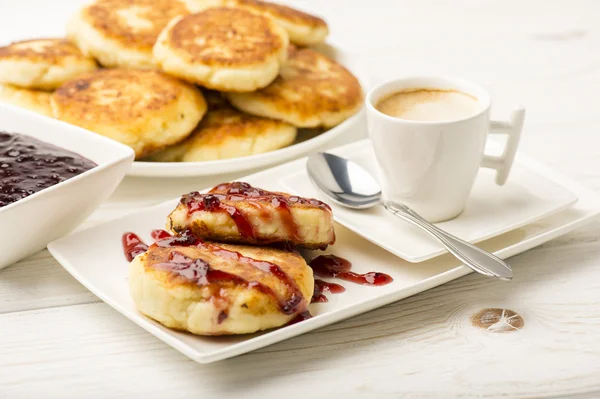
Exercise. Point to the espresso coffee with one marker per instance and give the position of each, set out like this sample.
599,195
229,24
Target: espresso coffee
429,105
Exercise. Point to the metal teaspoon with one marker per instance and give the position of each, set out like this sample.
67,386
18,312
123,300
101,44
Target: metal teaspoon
349,185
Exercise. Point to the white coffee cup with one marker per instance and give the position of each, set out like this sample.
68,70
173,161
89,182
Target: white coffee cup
431,166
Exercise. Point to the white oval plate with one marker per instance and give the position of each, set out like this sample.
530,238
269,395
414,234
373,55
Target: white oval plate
303,145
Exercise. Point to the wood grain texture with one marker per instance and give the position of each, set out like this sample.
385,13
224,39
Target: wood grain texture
58,340
425,345
39,282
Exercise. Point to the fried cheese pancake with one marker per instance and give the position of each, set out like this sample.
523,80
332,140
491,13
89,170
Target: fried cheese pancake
121,33
217,289
143,109
42,64
310,91
222,48
228,133
33,100
302,28
239,213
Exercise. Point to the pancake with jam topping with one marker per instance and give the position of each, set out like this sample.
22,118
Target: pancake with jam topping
303,29
222,48
217,289
310,91
42,64
143,109
239,213
121,33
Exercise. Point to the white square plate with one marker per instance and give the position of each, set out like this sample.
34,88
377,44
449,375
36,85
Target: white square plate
95,258
491,209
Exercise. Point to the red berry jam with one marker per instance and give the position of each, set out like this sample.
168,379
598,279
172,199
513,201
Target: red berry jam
159,234
133,246
28,165
322,288
334,266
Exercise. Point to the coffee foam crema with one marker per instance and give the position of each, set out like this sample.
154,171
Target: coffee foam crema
429,105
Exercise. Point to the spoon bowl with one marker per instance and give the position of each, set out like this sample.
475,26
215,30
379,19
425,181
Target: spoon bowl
344,181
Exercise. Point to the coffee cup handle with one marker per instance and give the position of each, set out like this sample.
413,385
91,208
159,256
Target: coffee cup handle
512,129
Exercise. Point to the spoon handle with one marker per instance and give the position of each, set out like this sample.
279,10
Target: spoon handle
477,259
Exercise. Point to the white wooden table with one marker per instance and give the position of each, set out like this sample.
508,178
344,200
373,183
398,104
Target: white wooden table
59,340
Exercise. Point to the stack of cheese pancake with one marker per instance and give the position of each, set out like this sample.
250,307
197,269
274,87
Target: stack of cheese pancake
219,274
31,69
138,71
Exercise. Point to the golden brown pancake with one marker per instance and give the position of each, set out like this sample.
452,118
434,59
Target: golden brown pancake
239,213
33,100
303,29
311,90
144,109
228,133
42,64
223,49
216,289
121,33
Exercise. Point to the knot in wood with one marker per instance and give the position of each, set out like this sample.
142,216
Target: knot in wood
497,320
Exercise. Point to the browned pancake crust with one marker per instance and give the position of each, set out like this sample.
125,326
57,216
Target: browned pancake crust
281,12
86,95
258,195
225,37
51,51
103,16
331,89
117,97
310,83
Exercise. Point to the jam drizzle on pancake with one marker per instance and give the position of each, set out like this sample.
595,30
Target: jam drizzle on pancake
223,198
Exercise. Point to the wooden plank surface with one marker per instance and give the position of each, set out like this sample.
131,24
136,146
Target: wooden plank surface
400,348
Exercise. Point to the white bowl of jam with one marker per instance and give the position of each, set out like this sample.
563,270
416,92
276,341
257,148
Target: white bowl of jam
52,177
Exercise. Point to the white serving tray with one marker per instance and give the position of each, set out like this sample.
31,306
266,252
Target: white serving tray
95,258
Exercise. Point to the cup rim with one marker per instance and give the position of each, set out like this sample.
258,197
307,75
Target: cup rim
473,89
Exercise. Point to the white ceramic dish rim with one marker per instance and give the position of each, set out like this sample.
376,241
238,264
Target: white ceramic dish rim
591,212
126,152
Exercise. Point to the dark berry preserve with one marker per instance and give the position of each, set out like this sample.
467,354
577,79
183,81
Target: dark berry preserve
334,266
28,165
